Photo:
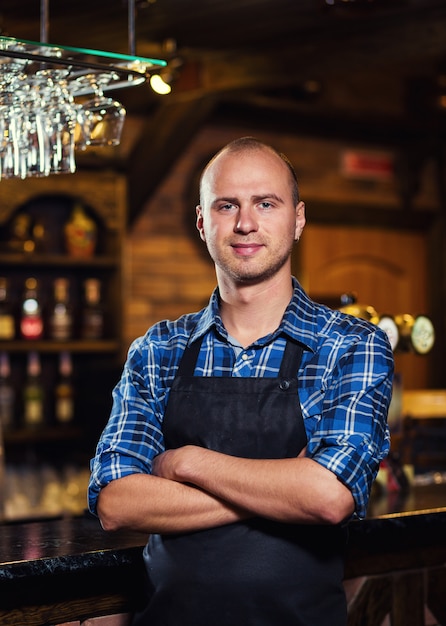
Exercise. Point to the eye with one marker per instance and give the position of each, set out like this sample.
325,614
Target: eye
226,207
265,204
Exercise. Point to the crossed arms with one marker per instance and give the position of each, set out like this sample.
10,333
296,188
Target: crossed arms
193,488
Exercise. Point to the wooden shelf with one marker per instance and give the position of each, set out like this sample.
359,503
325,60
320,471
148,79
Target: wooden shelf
58,260
42,435
75,346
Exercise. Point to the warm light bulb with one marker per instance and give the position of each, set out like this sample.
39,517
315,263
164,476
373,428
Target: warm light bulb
159,85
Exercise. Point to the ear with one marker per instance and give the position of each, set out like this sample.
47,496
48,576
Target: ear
300,220
199,222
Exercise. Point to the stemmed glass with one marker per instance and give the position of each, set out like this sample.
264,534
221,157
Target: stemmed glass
105,116
32,140
43,121
60,114
9,161
11,83
37,121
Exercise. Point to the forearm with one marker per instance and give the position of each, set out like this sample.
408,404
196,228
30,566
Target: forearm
151,504
296,490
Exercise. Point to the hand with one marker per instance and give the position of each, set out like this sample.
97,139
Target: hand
166,465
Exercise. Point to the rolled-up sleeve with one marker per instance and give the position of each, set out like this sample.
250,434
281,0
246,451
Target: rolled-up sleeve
351,435
133,435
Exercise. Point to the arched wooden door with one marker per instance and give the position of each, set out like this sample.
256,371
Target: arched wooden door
385,268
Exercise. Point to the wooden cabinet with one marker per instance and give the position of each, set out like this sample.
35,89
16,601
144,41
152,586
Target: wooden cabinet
96,363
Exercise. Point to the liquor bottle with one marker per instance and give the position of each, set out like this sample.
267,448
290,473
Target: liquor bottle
7,322
6,393
80,234
64,392
20,235
33,393
92,318
60,322
31,320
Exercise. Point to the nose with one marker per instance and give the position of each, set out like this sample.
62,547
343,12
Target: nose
246,220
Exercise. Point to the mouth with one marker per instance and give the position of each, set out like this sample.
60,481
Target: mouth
246,249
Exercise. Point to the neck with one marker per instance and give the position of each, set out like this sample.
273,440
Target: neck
250,312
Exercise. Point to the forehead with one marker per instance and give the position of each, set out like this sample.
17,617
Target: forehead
245,168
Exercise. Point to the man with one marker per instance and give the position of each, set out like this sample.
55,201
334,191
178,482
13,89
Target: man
243,437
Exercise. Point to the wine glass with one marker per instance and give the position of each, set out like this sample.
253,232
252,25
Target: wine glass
60,120
12,79
105,116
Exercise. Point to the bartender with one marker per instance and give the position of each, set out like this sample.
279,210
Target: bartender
243,437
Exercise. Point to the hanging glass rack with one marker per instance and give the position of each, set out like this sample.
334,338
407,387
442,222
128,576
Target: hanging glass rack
124,70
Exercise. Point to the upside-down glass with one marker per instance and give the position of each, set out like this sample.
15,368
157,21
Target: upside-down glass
42,116
11,80
60,116
37,120
105,116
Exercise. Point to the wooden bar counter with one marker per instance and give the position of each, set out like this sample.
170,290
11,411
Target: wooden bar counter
60,570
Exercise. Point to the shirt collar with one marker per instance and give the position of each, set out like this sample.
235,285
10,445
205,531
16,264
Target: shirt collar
298,323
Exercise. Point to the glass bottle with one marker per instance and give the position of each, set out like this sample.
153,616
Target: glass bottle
80,234
92,319
6,393
33,393
60,322
20,235
39,235
7,322
31,320
64,391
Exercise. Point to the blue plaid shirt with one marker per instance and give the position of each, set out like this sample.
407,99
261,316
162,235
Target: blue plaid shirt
345,383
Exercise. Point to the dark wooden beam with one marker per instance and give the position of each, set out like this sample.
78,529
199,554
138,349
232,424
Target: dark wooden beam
372,48
164,137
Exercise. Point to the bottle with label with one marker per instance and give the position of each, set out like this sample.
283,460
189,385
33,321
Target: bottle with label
92,319
60,322
31,319
6,393
7,321
33,393
64,392
80,234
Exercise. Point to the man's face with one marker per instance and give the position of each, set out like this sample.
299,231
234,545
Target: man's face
247,217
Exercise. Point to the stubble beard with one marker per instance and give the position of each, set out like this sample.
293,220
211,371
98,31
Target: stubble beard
249,271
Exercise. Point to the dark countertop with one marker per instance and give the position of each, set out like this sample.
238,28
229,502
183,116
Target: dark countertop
417,500
48,547
52,546
60,570
400,532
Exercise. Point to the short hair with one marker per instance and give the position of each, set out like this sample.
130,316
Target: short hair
246,144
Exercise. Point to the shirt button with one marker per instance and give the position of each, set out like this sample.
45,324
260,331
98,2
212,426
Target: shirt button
284,384
245,357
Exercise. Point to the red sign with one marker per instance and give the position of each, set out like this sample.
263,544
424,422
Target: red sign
370,165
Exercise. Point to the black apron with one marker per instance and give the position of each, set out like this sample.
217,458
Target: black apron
256,572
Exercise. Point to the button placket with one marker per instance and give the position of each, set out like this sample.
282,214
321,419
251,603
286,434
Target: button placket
243,364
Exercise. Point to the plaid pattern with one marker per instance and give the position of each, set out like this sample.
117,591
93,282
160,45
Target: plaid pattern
345,383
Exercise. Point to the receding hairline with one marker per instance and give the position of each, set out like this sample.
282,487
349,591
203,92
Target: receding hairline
251,144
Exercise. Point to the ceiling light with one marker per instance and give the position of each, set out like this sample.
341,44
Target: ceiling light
160,85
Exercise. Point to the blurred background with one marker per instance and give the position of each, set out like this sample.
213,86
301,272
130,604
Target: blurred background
353,91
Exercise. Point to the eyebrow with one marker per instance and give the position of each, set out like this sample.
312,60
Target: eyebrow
225,199
265,196
256,198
